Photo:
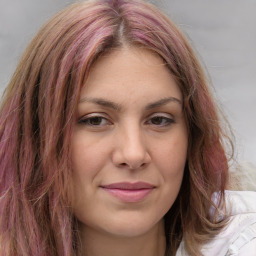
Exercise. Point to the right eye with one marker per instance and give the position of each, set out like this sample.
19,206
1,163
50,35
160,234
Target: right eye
94,121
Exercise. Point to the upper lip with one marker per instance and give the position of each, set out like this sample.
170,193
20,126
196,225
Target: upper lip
129,185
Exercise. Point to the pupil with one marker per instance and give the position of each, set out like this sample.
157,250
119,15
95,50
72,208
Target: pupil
157,120
95,120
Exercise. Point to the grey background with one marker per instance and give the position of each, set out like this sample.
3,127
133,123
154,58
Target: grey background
223,32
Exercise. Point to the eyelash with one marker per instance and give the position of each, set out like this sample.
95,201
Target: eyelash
99,119
86,121
167,121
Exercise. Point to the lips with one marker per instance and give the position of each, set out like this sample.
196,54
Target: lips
129,192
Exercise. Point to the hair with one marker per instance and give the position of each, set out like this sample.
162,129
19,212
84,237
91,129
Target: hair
38,113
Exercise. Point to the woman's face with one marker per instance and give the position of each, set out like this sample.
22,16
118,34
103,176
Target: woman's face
129,145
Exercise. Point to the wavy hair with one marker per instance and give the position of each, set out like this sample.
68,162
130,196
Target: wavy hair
37,117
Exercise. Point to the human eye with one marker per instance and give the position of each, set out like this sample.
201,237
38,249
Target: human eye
160,120
96,121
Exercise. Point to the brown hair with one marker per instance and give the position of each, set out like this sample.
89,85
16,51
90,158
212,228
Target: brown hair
38,114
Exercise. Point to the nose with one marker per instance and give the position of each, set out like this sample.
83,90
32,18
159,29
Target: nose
130,149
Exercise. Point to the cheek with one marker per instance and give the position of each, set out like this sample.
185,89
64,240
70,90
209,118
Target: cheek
170,160
88,155
87,160
172,154
170,165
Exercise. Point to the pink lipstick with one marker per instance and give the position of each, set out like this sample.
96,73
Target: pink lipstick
129,192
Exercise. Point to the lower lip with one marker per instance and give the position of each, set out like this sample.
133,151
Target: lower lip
129,196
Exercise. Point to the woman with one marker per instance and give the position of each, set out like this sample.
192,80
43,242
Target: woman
110,140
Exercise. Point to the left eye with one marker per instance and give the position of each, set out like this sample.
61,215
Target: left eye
160,121
94,121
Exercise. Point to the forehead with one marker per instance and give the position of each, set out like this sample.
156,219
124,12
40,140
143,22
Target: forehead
130,73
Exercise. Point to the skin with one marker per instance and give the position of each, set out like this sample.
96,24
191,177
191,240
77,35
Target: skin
125,137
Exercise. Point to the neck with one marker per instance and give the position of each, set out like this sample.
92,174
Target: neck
96,243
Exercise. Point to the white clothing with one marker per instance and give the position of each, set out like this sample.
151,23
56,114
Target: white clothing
238,238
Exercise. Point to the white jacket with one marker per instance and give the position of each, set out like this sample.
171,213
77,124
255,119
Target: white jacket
238,238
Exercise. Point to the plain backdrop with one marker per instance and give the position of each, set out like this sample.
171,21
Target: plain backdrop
223,33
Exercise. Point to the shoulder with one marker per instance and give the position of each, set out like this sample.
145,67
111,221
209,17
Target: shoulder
239,236
240,202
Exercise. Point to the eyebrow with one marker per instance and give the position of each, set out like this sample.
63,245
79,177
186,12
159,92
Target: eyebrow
102,102
162,102
118,107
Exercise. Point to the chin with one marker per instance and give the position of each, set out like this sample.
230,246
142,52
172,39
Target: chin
133,227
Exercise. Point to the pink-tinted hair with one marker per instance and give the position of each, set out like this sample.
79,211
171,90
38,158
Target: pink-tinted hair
38,114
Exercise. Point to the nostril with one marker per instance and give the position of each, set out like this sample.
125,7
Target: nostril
133,166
